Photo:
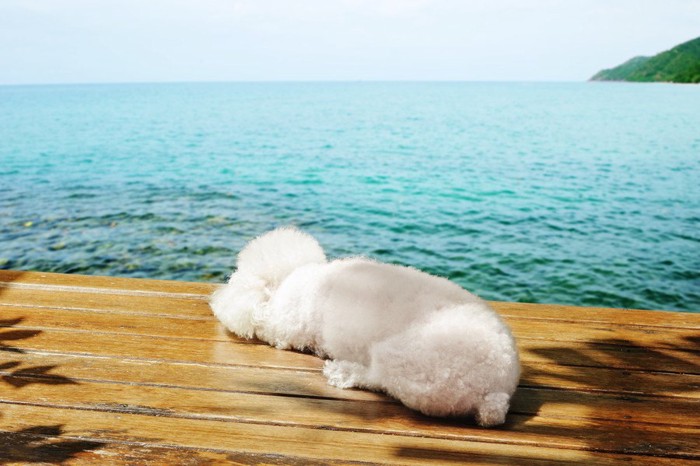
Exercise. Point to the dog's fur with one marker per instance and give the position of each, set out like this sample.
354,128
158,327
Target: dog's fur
422,339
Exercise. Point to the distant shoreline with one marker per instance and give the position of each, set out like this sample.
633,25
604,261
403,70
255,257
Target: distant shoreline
679,65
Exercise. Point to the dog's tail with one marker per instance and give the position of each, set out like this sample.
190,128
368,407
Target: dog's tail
262,266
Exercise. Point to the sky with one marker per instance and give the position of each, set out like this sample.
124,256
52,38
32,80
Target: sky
88,41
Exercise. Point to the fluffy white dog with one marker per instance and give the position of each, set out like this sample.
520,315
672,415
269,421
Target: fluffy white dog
422,339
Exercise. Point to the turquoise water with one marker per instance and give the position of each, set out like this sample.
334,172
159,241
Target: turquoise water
581,193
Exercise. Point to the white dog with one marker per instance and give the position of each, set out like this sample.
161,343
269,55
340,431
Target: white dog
422,339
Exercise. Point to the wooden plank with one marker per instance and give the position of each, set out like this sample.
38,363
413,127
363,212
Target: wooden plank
118,303
208,328
591,332
550,403
339,413
46,444
59,369
134,313
203,328
610,386
45,280
311,383
607,353
319,445
85,283
614,381
230,350
607,316
243,353
531,402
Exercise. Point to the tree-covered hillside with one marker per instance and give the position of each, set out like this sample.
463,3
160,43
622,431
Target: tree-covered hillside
681,64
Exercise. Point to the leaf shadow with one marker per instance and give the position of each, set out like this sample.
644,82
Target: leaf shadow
21,377
14,335
634,366
621,383
42,444
36,375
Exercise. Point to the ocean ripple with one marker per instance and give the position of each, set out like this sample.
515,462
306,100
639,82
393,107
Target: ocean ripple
493,186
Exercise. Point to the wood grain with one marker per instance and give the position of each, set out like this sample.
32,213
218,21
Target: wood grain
124,371
229,350
303,443
88,282
167,321
667,421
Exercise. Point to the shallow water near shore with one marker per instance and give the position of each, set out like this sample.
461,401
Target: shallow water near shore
577,193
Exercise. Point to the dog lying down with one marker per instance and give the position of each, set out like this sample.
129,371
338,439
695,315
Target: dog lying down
420,338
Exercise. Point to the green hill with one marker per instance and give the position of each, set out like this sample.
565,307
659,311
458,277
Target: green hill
681,64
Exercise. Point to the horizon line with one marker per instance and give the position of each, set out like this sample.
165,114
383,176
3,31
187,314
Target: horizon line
287,81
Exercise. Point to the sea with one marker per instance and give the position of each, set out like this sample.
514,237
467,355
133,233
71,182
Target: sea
573,193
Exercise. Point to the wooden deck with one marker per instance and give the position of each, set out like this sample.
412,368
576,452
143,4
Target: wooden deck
120,371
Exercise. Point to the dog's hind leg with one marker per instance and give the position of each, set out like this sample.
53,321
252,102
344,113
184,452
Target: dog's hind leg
346,374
